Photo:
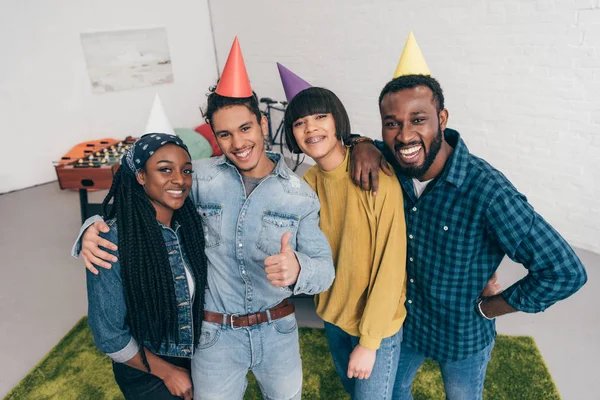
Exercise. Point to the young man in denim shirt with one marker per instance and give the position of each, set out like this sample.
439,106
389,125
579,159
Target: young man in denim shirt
263,244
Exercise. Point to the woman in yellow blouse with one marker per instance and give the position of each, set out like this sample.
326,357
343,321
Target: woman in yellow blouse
364,308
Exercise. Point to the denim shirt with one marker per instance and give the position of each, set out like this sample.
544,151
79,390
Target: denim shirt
107,312
242,231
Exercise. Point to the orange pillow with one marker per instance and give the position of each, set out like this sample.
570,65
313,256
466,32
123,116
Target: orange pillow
207,132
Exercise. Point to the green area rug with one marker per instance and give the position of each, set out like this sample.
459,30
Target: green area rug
75,370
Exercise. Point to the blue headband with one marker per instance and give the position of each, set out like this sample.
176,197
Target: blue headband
138,154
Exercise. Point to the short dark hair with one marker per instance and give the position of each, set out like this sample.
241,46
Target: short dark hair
315,100
215,102
412,81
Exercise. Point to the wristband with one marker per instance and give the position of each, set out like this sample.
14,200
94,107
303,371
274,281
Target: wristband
360,140
480,312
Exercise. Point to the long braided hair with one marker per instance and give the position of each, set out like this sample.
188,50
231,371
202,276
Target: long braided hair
145,269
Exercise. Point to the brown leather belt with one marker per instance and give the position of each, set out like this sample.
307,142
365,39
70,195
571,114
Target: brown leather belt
281,310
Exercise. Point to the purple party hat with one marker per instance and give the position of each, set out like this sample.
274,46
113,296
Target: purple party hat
292,83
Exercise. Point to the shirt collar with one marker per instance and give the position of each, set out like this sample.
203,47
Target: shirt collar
174,228
457,166
281,169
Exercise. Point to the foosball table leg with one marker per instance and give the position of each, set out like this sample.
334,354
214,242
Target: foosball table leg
83,204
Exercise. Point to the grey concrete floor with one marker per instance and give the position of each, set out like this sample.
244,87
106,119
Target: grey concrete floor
42,295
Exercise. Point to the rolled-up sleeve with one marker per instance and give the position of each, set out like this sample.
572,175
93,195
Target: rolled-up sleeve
554,270
314,254
107,311
77,245
126,353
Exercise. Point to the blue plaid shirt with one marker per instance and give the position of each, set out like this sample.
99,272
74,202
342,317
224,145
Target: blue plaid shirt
458,232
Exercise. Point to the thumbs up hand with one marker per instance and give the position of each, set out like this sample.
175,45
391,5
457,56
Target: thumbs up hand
283,269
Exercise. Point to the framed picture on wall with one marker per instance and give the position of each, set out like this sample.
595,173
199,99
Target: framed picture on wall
127,59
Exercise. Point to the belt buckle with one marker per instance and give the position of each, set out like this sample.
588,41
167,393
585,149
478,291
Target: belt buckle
231,322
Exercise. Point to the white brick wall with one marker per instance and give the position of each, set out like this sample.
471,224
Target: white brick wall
521,79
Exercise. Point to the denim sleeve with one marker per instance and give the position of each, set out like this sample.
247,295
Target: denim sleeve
554,270
314,254
77,245
107,312
194,192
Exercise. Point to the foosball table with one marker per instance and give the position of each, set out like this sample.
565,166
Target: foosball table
90,166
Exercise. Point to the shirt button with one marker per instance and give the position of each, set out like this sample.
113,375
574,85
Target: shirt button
410,236
410,302
412,281
414,208
445,228
411,259
240,245
243,272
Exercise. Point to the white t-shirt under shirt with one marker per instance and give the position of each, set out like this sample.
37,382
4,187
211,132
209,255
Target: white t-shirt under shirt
420,186
190,281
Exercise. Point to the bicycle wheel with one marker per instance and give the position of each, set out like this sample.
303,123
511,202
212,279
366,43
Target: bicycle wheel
293,160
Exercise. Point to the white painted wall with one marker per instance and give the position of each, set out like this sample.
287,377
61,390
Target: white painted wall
46,104
521,79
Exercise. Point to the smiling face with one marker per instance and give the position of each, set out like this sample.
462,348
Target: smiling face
240,136
316,136
317,124
413,128
167,179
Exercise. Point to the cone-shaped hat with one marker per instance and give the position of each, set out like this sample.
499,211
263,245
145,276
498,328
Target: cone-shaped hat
292,83
411,61
158,121
234,79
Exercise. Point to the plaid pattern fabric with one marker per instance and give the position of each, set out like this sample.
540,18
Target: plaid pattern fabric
458,231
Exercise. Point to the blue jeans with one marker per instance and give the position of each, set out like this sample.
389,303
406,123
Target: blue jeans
140,385
463,379
381,382
225,355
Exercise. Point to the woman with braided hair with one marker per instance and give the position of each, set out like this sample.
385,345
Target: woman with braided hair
145,312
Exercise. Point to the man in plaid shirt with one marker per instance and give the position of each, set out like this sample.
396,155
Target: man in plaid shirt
462,217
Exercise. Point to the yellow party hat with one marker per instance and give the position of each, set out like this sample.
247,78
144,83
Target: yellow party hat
411,61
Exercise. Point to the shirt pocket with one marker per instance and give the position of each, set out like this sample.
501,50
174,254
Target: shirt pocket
211,215
273,227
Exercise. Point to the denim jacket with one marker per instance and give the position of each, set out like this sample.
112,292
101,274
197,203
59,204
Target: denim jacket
107,312
242,231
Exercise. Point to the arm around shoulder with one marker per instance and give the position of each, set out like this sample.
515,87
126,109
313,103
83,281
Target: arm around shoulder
76,249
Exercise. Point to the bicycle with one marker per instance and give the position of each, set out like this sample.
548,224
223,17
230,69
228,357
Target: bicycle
277,138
